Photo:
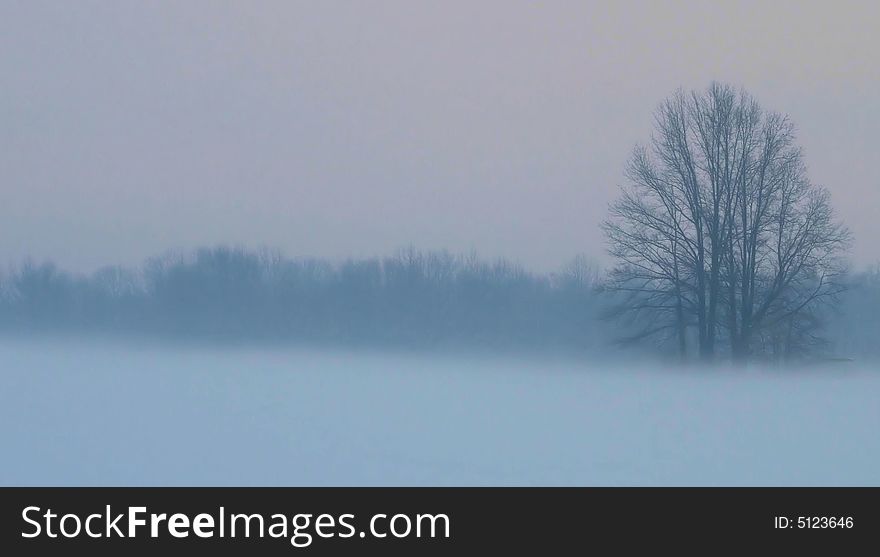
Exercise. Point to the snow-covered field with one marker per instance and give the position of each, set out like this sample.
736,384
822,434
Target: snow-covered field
90,413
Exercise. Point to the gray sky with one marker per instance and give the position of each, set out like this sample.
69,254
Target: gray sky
335,129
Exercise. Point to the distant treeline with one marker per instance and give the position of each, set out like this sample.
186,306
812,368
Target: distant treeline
411,299
414,298
854,327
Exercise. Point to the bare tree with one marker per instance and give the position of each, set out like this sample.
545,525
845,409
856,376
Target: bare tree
719,228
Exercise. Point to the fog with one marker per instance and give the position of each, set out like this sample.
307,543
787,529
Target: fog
339,129
146,414
205,210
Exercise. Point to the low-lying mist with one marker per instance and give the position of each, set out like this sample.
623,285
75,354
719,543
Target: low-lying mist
123,413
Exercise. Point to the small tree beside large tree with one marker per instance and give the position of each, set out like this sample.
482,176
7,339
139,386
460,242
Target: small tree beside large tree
720,239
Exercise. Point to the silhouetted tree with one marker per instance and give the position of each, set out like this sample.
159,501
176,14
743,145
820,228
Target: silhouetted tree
719,228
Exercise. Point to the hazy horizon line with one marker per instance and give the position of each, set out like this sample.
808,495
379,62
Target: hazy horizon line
600,261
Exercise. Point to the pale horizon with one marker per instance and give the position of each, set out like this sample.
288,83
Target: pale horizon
346,129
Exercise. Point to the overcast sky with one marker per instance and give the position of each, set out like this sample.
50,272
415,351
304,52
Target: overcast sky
336,129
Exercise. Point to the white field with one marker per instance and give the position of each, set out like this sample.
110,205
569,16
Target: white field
91,413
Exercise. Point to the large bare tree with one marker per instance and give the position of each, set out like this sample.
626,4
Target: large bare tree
719,234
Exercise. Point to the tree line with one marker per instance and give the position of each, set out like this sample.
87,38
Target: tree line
412,298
